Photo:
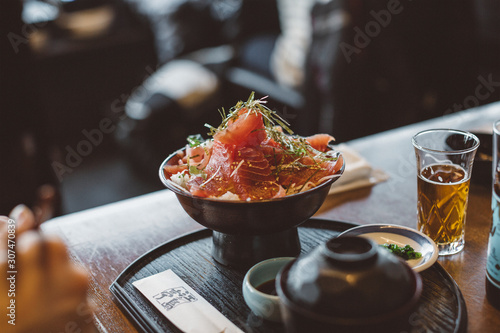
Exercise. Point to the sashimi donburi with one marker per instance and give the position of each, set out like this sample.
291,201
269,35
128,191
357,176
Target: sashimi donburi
253,155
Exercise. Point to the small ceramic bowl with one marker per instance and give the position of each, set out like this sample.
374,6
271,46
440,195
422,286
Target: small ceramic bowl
400,235
259,288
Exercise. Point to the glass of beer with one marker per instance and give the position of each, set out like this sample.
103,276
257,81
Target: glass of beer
444,166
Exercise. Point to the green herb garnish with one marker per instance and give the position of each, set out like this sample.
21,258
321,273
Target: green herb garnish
271,118
405,252
195,140
193,170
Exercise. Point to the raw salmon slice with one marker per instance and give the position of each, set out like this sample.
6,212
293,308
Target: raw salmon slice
320,141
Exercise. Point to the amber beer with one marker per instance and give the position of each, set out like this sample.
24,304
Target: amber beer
444,165
442,202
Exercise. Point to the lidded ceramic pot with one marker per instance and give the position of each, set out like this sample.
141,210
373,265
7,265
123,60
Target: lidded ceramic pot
348,283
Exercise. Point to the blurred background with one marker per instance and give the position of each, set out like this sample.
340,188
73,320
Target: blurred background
96,93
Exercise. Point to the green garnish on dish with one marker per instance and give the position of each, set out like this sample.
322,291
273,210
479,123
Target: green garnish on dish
195,140
406,252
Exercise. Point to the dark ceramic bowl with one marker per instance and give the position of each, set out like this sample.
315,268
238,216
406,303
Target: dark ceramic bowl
348,284
250,217
246,232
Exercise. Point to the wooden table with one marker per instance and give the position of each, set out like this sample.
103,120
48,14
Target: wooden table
107,239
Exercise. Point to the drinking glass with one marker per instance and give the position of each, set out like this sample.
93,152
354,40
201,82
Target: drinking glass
444,166
493,258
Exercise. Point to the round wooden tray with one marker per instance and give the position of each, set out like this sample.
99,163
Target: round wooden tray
441,308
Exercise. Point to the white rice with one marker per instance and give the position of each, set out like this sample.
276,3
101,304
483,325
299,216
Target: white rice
180,179
228,196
